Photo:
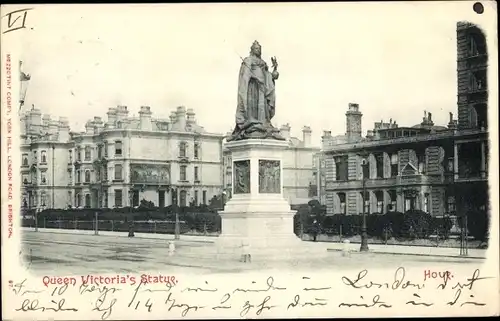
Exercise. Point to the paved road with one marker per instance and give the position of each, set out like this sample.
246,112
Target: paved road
59,253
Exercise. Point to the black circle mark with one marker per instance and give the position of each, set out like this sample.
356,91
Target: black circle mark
478,8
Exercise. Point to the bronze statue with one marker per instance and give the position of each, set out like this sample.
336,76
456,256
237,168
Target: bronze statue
256,98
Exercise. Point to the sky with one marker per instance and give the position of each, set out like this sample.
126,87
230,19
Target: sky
394,60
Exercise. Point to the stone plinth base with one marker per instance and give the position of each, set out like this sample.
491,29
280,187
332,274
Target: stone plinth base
257,220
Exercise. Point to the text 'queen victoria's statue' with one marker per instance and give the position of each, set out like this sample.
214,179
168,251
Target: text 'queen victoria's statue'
256,98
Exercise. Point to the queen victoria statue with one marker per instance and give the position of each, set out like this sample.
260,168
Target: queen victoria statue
256,98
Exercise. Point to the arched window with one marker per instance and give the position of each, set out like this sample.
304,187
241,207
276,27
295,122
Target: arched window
182,149
87,176
87,200
183,198
44,156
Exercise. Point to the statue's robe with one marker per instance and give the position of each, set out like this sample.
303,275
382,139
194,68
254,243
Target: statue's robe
256,96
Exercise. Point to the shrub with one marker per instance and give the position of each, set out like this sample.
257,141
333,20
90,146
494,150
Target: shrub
417,224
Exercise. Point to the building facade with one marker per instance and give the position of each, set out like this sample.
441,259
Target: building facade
407,167
299,169
471,143
440,170
119,162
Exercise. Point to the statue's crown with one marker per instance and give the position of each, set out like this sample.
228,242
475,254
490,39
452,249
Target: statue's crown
255,44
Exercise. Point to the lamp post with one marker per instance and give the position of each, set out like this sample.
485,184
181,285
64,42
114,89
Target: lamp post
364,236
131,219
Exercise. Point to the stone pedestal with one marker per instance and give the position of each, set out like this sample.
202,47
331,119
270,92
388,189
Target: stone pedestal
257,219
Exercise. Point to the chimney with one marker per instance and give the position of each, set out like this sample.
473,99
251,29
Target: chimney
353,122
36,117
181,118
89,127
306,136
285,131
111,117
429,119
53,128
46,121
121,113
191,120
98,124
452,124
145,118
63,129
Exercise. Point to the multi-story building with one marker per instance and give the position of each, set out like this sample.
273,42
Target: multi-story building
471,142
299,180
120,162
407,167
440,170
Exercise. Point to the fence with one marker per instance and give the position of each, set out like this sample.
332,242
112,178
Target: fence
158,227
417,229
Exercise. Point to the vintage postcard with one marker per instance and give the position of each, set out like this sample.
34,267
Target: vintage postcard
258,160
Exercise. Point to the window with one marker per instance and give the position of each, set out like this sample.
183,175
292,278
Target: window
366,202
450,166
44,156
183,173
450,204
99,151
105,149
341,168
394,165
43,178
195,198
70,177
421,164
35,157
43,199
118,198
426,203
380,202
25,159
118,148
98,174
204,197
183,198
182,149
70,156
105,196
342,200
379,161
78,176
196,178
25,179
118,172
87,176
393,197
87,153
105,174
78,155
70,201
87,200
196,150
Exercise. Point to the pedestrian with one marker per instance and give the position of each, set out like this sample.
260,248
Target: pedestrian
245,252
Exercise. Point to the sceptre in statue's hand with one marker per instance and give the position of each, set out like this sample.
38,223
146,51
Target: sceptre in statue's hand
274,63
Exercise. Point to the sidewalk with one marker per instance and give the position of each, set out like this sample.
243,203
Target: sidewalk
412,250
353,247
186,238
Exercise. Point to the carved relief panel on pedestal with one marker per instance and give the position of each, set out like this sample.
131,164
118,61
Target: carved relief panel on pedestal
269,176
241,177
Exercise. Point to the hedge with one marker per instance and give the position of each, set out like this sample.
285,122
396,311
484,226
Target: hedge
407,226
